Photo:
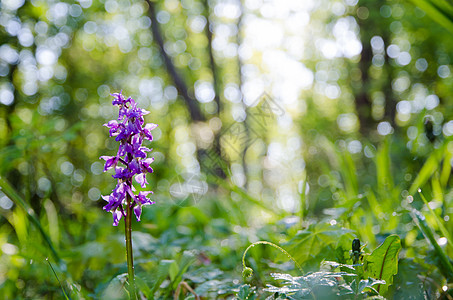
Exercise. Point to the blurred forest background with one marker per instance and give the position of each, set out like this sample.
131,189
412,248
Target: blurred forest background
301,122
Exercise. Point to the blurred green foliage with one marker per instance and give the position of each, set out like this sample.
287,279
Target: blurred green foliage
303,123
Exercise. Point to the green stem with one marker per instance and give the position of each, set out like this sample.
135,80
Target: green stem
129,254
303,201
249,270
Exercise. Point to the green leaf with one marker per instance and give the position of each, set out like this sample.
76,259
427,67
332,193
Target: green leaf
116,288
142,286
162,272
310,242
408,285
246,292
304,286
173,271
382,264
187,259
365,285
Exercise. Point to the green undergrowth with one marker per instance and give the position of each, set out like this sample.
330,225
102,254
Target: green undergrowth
194,250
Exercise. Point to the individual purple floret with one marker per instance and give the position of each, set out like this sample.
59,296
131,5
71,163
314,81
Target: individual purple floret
129,129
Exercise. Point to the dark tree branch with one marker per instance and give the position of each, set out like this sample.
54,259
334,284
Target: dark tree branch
241,80
181,86
369,27
390,102
212,65
216,83
363,100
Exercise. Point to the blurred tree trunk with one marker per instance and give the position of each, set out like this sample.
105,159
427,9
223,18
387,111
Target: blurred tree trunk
191,103
363,95
215,78
371,24
390,101
216,84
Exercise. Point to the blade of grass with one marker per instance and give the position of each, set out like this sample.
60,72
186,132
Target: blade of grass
430,166
435,14
445,267
438,220
383,172
55,273
9,191
348,170
436,187
446,169
374,204
444,6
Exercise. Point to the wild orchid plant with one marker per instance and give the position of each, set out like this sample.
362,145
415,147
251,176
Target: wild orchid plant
130,131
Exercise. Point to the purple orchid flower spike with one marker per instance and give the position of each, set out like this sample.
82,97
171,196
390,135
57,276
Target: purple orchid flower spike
131,159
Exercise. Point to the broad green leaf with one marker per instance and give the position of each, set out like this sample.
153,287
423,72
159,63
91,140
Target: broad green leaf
407,284
310,242
324,283
116,289
382,264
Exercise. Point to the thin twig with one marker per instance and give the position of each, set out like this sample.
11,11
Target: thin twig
185,285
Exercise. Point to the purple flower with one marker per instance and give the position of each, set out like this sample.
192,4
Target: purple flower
145,164
114,126
123,133
141,179
116,217
147,131
110,162
122,173
142,198
130,130
138,212
135,147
